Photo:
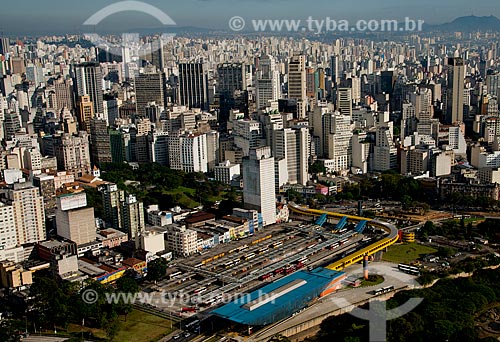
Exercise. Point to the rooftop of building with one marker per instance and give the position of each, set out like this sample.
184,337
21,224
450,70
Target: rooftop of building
279,299
200,216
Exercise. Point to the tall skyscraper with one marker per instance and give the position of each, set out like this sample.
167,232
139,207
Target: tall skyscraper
149,87
311,85
188,152
455,90
268,82
29,215
85,113
335,70
231,88
297,83
4,45
119,142
344,101
111,200
292,145
100,146
132,216
385,153
74,220
193,85
8,231
64,93
11,124
258,184
72,153
337,132
157,55
89,82
231,77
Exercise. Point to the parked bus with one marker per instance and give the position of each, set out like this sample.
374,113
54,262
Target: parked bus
277,244
248,256
200,290
175,275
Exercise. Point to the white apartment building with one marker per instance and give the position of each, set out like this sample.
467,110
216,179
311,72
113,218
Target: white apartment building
226,172
258,184
188,152
181,241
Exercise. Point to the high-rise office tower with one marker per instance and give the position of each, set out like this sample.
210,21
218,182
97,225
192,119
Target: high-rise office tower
157,55
310,82
119,146
32,159
74,220
292,145
335,70
455,90
72,153
8,231
344,101
34,74
188,152
408,120
11,124
297,83
231,77
85,113
89,81
112,198
212,149
360,152
337,132
29,215
132,216
258,184
385,156
193,85
4,45
64,94
387,81
422,100
149,87
247,135
268,82
47,186
231,86
100,147
158,147
139,140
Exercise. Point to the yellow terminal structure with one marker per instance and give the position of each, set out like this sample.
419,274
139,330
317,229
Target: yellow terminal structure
358,255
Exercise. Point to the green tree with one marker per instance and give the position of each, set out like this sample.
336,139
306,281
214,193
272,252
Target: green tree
50,302
127,285
112,327
317,167
157,269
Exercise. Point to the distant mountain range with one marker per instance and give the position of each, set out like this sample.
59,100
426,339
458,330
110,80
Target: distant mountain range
462,24
468,24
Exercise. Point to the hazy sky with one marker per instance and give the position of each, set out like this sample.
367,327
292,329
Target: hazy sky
59,16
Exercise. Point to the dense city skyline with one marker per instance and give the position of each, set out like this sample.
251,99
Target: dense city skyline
252,176
31,17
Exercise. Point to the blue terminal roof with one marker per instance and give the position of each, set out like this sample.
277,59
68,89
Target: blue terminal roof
279,299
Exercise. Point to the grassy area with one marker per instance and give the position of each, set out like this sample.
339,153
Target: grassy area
406,253
186,196
373,279
142,327
472,220
139,327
